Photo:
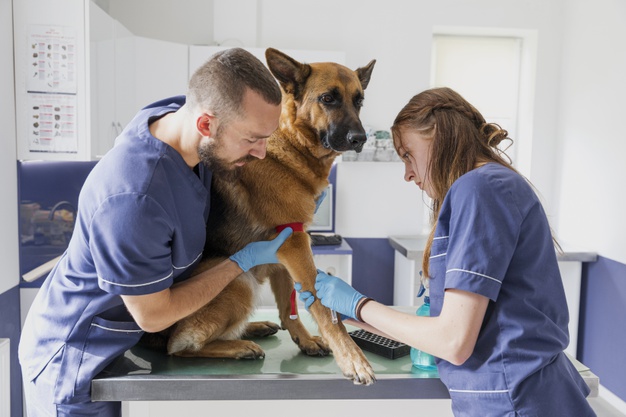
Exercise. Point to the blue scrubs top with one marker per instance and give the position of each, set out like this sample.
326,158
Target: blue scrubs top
493,238
140,227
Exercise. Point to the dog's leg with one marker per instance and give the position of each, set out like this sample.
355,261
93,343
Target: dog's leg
214,330
297,257
282,286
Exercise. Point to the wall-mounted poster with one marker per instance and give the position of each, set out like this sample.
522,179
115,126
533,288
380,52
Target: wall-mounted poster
52,123
51,59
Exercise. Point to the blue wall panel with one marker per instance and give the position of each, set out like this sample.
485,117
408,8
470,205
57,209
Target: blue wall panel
602,334
10,328
372,268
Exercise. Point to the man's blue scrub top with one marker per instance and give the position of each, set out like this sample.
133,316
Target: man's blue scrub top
140,227
493,238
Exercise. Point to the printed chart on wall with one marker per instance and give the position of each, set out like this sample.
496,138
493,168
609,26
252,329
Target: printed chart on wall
51,89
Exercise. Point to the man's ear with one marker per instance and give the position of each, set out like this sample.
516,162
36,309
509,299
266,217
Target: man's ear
206,125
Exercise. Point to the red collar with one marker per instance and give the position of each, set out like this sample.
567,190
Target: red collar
297,227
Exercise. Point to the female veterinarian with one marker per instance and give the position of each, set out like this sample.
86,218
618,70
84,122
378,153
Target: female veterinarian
140,230
499,318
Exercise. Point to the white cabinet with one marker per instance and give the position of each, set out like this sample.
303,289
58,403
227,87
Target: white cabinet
5,378
102,89
407,264
127,73
8,172
105,75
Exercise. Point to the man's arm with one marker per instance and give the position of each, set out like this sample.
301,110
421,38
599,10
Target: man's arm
158,311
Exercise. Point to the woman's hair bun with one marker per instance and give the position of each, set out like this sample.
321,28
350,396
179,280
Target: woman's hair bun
493,133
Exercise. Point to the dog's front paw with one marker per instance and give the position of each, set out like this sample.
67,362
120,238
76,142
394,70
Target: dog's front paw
361,373
313,346
354,365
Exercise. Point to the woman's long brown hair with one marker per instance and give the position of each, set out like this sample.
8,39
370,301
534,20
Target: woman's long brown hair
461,141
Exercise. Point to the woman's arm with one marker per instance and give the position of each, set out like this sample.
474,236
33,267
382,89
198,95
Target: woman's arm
450,336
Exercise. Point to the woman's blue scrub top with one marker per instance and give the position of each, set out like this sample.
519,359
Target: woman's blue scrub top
493,238
140,227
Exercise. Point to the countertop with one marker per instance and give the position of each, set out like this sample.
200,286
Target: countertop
285,373
412,246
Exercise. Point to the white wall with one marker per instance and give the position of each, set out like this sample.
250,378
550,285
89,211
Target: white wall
186,21
591,130
395,32
9,243
398,34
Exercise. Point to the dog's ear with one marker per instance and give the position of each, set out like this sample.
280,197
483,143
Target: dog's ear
290,73
364,73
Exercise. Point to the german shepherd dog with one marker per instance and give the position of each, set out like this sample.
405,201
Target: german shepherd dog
319,120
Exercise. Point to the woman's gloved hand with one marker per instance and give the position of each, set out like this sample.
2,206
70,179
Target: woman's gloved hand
333,293
305,296
260,253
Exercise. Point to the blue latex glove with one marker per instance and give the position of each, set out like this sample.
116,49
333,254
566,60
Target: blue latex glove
305,296
308,298
333,293
337,294
260,253
318,200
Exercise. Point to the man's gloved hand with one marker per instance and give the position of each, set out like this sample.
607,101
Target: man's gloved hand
319,199
260,253
333,293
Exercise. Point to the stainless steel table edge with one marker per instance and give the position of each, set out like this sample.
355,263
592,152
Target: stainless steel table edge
412,246
263,387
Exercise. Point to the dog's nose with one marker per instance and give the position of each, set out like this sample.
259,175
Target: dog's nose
356,139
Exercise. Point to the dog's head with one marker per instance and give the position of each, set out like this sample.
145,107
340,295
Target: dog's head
323,99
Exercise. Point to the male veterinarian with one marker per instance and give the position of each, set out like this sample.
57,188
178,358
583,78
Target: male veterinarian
140,230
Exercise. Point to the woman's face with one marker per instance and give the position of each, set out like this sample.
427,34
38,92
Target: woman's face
416,155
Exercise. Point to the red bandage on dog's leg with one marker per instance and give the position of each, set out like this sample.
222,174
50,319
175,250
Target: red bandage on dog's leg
297,227
294,309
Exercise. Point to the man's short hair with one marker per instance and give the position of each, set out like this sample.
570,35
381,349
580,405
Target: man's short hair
219,85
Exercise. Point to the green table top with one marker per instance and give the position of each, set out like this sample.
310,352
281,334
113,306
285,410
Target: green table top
285,372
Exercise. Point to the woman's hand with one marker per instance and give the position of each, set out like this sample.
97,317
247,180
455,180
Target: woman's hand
333,293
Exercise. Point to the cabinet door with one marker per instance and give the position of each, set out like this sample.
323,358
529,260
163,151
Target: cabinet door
8,171
160,70
125,78
102,83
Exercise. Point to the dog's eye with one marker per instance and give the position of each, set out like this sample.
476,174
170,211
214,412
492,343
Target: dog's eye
359,102
327,98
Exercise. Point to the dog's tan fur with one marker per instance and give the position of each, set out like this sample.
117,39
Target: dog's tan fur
277,190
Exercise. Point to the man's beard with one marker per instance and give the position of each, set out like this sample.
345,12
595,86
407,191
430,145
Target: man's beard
208,153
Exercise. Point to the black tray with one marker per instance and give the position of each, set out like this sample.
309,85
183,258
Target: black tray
379,345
